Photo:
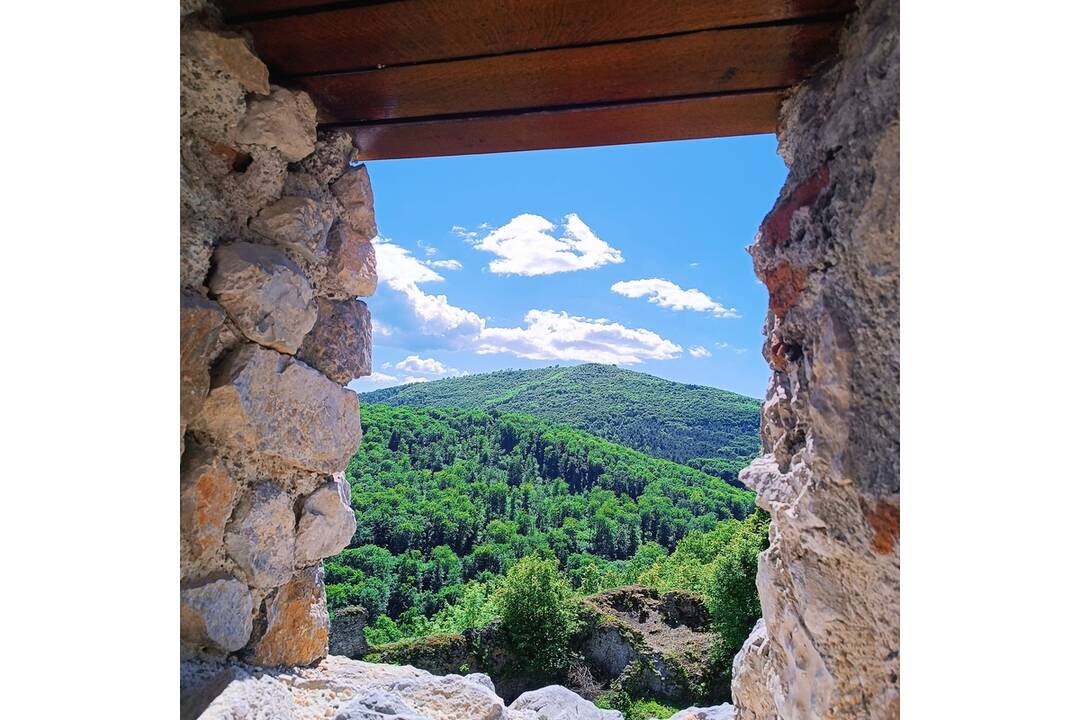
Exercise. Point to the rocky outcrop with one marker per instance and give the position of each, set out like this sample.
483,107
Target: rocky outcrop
828,253
264,433
345,689
647,642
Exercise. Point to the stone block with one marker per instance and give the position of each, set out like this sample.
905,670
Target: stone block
216,615
297,624
353,191
200,323
285,121
327,522
350,268
261,537
265,294
339,344
267,404
207,497
296,223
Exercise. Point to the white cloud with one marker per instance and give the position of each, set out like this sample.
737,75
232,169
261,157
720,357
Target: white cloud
699,352
444,264
726,346
527,246
412,308
667,294
414,379
374,381
549,335
416,319
428,366
694,264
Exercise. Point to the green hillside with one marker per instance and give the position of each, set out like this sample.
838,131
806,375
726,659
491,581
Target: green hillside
447,501
714,430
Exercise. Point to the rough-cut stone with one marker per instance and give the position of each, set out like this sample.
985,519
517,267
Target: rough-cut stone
200,322
296,223
207,497
276,408
347,632
196,247
211,101
353,191
256,180
216,615
265,294
333,150
261,538
350,269
555,702
829,582
327,522
752,676
297,625
229,55
285,120
716,712
339,344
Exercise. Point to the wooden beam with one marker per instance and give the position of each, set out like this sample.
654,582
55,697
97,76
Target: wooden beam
707,62
724,115
335,37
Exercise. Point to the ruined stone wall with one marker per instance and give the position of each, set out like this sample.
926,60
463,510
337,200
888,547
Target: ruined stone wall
276,222
829,254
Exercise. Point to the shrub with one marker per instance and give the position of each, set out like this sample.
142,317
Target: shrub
538,614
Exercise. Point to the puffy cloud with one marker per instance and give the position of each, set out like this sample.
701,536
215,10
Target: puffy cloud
667,294
413,318
444,264
699,351
726,346
549,335
428,366
527,245
410,379
411,310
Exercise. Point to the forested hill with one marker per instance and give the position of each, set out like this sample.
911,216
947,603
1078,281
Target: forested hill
714,430
444,497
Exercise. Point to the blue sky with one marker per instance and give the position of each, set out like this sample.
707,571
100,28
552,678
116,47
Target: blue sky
631,254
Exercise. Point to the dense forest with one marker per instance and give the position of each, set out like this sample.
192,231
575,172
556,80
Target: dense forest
451,502
711,429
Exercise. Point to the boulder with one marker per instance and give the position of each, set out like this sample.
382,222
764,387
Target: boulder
200,323
267,404
207,496
216,615
327,522
265,294
353,191
260,538
229,55
297,625
450,696
347,632
296,223
350,267
285,120
716,712
555,702
339,344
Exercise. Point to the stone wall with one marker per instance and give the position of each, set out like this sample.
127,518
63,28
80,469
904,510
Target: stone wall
276,222
829,254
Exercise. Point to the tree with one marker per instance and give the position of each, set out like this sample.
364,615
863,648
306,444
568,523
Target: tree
538,614
733,598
